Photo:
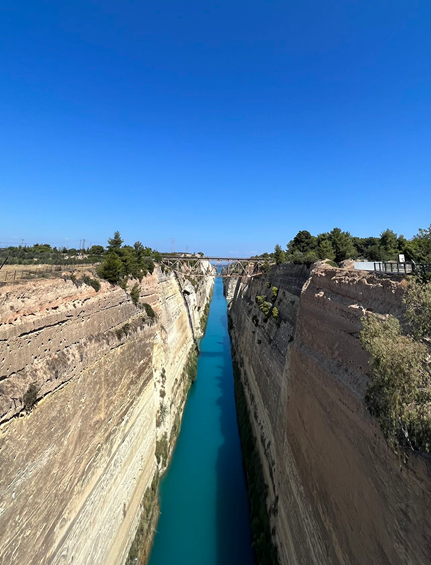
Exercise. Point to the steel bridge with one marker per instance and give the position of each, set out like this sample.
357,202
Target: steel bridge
201,266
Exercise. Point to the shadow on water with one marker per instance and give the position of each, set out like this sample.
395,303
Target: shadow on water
204,505
233,516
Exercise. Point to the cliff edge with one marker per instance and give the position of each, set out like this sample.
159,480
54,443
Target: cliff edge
337,494
92,389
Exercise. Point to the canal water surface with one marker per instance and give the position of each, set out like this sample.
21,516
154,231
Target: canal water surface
203,499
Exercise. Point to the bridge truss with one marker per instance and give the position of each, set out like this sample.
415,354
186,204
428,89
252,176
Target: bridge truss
200,266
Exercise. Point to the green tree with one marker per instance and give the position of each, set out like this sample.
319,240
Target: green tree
342,242
368,247
96,250
111,268
389,245
421,246
279,255
325,249
302,242
115,243
135,293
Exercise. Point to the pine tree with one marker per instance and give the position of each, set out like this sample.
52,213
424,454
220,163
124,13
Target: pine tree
279,255
115,243
111,269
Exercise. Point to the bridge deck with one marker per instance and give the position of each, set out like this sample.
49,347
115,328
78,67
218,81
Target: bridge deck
182,257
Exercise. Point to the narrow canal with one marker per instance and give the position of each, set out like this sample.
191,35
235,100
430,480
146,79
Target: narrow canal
203,499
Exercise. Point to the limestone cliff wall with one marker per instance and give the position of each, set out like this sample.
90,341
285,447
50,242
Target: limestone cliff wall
73,471
337,493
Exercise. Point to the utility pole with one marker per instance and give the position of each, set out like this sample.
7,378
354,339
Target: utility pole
83,244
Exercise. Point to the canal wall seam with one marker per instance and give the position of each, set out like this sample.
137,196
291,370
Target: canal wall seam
336,492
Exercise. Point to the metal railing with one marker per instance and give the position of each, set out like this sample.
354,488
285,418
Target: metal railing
401,268
397,268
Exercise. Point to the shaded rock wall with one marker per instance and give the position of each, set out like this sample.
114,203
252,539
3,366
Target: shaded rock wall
73,471
337,493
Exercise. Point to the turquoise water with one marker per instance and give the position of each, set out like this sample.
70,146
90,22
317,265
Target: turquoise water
203,499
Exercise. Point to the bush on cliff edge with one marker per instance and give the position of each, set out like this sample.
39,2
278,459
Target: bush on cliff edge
399,389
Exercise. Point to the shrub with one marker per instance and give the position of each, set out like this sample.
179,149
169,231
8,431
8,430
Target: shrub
29,398
192,366
124,330
149,311
135,294
91,282
75,281
399,389
161,415
137,552
275,312
204,317
266,308
418,307
274,293
176,427
111,268
162,450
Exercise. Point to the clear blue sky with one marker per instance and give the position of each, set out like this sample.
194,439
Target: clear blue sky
226,125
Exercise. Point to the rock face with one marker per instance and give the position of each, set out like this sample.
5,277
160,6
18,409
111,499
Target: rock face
337,493
75,468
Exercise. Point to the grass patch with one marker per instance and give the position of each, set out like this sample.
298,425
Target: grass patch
191,368
162,450
91,282
140,547
204,317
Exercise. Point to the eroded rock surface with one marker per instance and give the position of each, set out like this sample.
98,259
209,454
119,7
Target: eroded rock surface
337,493
74,469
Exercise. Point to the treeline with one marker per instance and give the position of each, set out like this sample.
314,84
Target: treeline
338,245
123,261
117,261
43,253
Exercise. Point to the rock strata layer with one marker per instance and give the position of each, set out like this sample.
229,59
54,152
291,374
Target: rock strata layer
109,385
337,494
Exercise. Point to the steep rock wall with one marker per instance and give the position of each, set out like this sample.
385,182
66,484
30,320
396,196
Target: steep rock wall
337,493
74,470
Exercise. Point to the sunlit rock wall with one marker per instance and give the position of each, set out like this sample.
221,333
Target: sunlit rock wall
74,470
337,493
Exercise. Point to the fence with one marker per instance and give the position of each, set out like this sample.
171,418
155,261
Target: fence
401,268
398,268
7,275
